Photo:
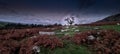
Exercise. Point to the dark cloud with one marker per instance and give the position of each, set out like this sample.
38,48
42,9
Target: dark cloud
86,3
49,3
19,10
61,4
5,7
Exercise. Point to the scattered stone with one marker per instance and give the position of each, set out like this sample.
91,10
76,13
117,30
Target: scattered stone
27,29
98,38
33,37
88,32
62,30
91,37
66,27
65,30
36,49
59,33
98,33
118,23
48,33
96,28
73,28
66,34
76,30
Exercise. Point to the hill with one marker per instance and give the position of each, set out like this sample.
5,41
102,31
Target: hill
11,25
110,20
115,17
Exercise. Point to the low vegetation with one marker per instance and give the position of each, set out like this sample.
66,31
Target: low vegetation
67,40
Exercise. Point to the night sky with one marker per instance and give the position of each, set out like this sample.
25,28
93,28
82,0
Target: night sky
54,11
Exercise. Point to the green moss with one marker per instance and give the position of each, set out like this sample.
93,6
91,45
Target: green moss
72,49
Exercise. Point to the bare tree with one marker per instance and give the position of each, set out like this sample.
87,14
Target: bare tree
70,20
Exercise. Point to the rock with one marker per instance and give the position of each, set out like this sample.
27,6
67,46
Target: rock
98,33
96,28
36,49
33,37
66,27
76,30
66,34
62,30
73,28
98,38
91,37
118,23
28,30
48,33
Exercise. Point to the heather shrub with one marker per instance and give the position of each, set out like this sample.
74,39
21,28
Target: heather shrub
104,42
46,41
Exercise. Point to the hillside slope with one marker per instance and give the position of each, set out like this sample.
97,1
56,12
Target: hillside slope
115,17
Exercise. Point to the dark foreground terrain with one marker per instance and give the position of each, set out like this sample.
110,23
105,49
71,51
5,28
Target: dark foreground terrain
85,39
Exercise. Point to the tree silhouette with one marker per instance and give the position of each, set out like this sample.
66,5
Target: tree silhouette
70,20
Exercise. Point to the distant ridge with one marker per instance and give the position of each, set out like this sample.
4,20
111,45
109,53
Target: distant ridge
112,18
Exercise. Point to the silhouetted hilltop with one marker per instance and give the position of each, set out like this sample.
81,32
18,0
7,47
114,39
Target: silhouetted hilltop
112,18
11,25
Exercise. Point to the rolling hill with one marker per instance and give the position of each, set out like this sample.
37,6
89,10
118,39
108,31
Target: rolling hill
115,17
